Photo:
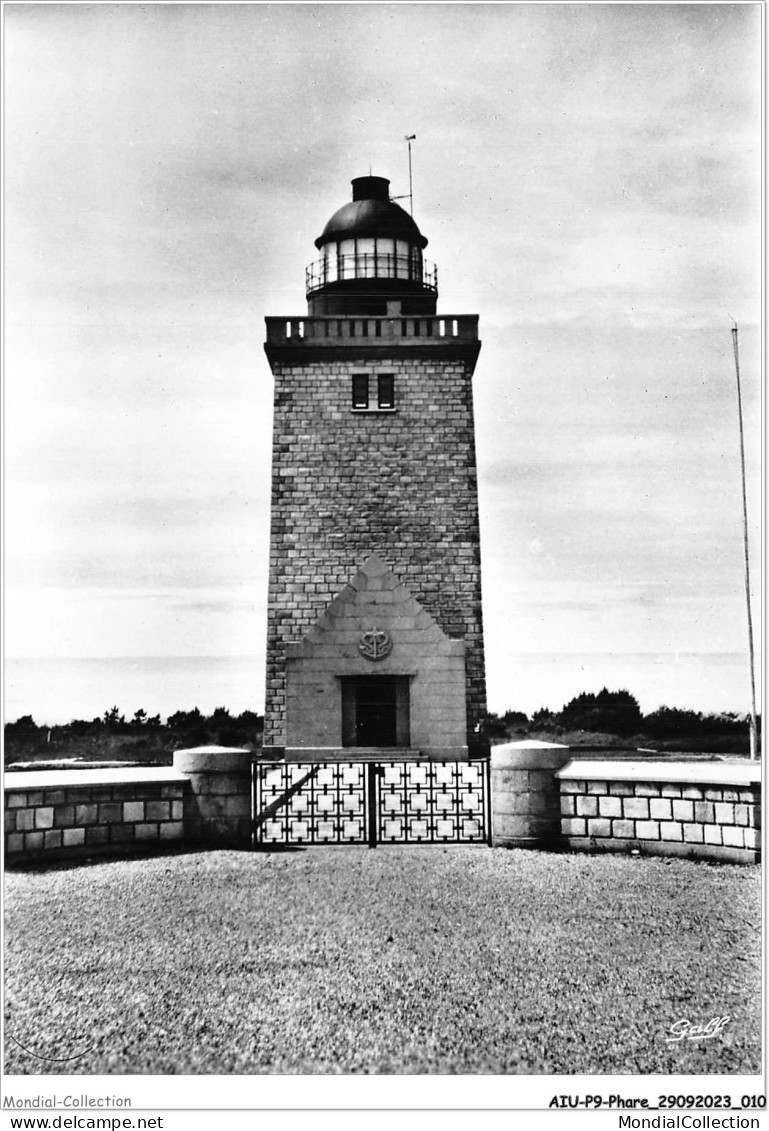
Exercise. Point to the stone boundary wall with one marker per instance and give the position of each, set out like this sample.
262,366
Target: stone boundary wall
55,814
710,810
551,797
541,797
76,812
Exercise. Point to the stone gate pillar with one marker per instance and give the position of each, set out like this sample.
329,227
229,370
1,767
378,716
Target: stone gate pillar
525,795
217,808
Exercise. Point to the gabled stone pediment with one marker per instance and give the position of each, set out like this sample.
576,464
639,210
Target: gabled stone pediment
375,600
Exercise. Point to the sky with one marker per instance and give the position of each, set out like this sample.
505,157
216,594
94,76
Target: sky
589,180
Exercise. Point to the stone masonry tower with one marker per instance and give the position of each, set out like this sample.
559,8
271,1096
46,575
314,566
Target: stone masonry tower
375,637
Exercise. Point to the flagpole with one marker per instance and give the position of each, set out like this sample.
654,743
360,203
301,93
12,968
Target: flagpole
753,718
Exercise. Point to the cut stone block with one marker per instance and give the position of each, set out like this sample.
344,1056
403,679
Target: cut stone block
44,817
586,806
683,810
597,826
733,835
671,830
660,808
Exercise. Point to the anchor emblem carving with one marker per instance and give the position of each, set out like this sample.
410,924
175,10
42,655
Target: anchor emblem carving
375,644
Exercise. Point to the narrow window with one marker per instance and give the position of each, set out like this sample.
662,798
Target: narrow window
360,390
386,390
454,328
378,328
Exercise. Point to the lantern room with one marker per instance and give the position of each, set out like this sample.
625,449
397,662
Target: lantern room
371,258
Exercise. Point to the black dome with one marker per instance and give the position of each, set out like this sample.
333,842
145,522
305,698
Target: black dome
371,213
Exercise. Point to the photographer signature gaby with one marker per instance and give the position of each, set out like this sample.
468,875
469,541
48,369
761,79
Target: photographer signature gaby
687,1031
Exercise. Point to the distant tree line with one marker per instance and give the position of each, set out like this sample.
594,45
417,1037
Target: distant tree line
141,737
191,728
618,714
602,718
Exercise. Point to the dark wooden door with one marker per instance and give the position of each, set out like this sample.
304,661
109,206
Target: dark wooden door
376,712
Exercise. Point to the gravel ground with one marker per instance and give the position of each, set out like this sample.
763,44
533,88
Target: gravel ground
402,960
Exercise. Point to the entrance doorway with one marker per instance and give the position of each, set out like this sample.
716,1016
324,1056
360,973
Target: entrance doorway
375,710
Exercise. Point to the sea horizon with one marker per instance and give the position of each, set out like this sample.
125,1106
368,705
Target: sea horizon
56,690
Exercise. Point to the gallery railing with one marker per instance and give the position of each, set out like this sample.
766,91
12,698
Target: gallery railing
338,268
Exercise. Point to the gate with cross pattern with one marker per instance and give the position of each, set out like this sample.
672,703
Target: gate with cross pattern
371,803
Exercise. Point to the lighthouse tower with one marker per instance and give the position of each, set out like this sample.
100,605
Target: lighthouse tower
375,637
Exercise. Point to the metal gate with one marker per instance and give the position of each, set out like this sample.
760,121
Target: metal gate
371,803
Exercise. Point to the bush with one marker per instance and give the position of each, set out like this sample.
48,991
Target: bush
608,712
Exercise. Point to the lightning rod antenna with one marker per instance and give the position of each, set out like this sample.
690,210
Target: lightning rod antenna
409,139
